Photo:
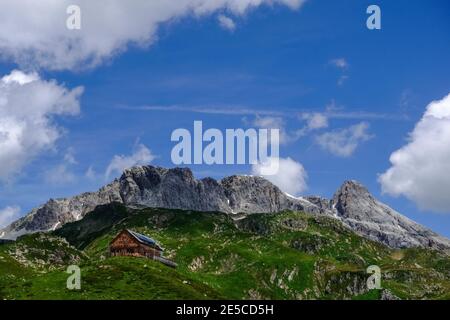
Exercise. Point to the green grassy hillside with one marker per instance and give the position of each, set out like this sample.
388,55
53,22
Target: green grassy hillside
288,255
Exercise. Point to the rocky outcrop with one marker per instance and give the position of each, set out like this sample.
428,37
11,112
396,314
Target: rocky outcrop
57,212
177,188
149,186
388,295
171,188
365,215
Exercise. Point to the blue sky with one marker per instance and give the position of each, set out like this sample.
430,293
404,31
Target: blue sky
278,62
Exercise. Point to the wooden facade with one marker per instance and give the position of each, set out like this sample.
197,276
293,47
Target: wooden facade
130,243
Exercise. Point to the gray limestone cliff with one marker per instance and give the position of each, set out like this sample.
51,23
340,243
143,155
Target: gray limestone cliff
365,215
149,186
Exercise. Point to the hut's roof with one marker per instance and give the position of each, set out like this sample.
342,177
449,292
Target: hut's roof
145,240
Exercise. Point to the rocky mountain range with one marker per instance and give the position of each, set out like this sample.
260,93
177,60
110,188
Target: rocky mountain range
149,186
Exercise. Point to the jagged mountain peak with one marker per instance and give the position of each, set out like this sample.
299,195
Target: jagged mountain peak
352,188
177,188
248,179
150,170
363,213
352,197
174,188
353,185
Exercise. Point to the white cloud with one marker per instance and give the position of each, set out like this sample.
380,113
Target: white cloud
331,112
340,63
290,177
17,76
229,110
269,122
34,33
420,170
69,156
314,121
226,22
90,173
28,106
141,156
60,175
343,65
8,215
343,142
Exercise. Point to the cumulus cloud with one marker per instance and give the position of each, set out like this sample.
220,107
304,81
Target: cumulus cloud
290,176
28,106
420,170
18,77
34,33
226,22
8,215
141,156
343,142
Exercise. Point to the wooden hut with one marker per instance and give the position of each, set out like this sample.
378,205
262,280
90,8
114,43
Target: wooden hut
130,243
